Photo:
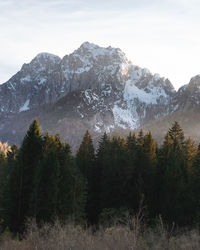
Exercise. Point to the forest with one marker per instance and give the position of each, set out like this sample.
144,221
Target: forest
43,180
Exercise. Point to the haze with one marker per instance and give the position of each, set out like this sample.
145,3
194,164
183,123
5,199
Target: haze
162,36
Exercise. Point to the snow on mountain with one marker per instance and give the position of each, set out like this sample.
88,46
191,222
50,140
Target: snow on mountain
31,83
112,92
92,66
25,106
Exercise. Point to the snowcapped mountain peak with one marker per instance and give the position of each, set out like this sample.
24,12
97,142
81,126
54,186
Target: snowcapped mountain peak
95,52
93,88
116,92
109,55
96,66
87,45
45,57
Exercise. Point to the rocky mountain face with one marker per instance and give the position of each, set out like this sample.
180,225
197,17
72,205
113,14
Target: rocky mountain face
188,96
93,88
32,86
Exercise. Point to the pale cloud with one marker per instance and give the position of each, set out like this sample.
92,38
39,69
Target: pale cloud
160,35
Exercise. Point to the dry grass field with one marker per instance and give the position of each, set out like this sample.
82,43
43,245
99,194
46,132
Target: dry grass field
133,235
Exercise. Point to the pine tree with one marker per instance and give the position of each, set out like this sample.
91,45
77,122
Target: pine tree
176,135
71,185
44,196
174,175
85,156
56,192
22,179
195,187
85,159
190,152
115,176
102,159
149,162
143,172
140,139
131,145
131,152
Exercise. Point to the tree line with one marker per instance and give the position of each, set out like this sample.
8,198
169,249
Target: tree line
43,180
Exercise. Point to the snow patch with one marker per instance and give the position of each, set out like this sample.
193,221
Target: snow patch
25,79
97,128
25,106
132,92
90,97
124,118
109,128
156,77
42,81
11,85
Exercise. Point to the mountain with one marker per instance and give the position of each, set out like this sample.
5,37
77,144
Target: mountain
188,96
93,88
185,110
32,86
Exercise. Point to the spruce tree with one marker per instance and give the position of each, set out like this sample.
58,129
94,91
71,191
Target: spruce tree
131,152
115,176
102,162
23,176
140,139
195,187
85,159
177,136
56,193
139,172
85,156
173,173
149,162
44,197
190,152
71,185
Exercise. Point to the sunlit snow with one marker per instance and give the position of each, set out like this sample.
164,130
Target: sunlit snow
125,118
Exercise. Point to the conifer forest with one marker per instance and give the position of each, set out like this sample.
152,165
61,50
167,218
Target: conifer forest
43,179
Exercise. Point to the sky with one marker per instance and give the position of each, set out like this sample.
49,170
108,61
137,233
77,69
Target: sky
161,35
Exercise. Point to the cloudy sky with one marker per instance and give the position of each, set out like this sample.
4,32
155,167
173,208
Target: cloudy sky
163,36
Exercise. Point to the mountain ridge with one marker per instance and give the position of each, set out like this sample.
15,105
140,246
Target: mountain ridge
107,91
